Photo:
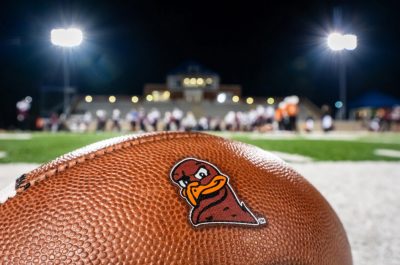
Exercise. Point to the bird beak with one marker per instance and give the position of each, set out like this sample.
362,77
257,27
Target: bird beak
195,189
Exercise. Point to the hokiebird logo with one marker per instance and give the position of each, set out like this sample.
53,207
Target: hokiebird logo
210,195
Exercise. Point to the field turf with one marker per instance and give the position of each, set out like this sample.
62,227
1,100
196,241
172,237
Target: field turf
42,147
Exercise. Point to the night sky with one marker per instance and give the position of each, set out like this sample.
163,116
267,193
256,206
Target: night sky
271,49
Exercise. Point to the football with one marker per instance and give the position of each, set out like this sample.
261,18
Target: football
169,198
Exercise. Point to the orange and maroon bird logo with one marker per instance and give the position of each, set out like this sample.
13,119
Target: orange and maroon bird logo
210,195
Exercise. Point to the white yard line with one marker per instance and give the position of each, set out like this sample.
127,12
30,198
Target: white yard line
3,154
15,136
292,157
387,153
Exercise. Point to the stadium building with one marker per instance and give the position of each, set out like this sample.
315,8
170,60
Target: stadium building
190,88
192,83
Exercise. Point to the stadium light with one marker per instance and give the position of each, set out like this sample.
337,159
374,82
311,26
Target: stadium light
338,104
70,37
135,99
221,98
149,97
338,42
88,98
166,95
66,38
350,41
249,100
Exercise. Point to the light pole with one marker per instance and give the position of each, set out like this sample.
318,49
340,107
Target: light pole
66,39
338,43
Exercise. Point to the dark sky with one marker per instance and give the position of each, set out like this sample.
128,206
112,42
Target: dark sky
275,48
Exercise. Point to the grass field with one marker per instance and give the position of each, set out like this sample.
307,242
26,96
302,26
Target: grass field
41,147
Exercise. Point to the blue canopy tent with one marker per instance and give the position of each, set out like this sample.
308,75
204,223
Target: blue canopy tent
374,99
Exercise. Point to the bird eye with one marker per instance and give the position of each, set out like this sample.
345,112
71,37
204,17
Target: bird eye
201,173
184,181
182,184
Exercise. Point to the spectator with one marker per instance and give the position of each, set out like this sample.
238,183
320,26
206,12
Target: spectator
327,120
133,119
54,122
203,124
142,119
153,118
309,124
229,120
269,114
167,120
177,116
292,111
116,120
87,120
189,121
101,119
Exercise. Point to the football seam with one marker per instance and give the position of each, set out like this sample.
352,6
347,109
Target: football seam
56,166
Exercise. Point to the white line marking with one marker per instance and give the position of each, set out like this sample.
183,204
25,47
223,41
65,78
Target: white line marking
3,154
387,153
15,136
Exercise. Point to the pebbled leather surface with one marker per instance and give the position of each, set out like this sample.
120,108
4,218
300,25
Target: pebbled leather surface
114,203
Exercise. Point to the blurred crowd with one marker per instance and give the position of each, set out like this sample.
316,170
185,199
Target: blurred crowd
381,119
263,118
283,116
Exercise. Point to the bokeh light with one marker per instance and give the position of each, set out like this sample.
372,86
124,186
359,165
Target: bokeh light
221,98
149,97
235,99
250,100
135,99
338,104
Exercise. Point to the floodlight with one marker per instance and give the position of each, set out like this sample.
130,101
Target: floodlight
339,42
235,98
70,37
336,41
88,98
112,99
350,41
